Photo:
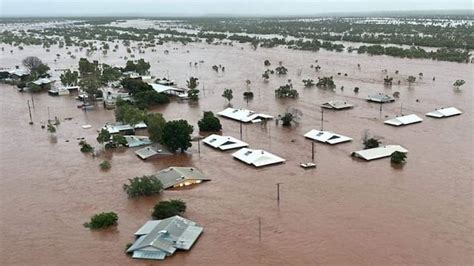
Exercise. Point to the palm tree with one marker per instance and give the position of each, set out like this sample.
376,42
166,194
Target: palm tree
228,95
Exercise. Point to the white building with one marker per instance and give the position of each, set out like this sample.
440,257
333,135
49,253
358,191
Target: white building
403,120
326,137
244,115
224,142
169,90
444,112
257,158
337,105
379,152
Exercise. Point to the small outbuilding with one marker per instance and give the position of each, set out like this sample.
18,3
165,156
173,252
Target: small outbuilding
380,98
444,112
403,120
244,115
224,142
158,239
326,137
337,105
174,177
379,152
257,158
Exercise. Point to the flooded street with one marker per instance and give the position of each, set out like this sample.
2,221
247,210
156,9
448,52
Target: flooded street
346,211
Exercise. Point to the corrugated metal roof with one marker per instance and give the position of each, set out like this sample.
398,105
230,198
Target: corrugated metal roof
150,151
172,176
380,152
444,112
257,158
403,120
326,137
224,142
243,115
380,98
136,141
337,105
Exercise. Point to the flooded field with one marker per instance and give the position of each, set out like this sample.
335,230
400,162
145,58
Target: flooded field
344,212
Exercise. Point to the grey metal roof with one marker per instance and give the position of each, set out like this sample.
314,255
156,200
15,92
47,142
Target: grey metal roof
151,151
165,238
172,176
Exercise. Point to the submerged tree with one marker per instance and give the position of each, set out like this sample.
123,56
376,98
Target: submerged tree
286,91
143,186
458,83
398,157
209,122
166,209
411,80
177,135
102,220
69,78
228,95
308,83
281,70
326,83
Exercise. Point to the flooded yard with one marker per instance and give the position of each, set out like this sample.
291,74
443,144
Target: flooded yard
345,211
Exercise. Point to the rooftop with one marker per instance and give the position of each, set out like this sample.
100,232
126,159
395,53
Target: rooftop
150,151
244,115
326,137
224,142
257,158
380,98
404,120
380,152
337,105
180,176
444,112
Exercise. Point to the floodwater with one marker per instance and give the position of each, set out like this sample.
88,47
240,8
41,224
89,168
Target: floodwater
346,211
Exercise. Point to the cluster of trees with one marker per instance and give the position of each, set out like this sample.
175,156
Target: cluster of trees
326,83
209,122
102,220
141,67
143,186
442,54
143,94
166,209
111,141
286,91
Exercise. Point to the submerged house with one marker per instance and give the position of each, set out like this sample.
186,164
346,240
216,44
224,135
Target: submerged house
379,152
168,90
380,98
403,120
326,137
115,128
152,151
174,177
158,239
224,142
244,115
337,105
112,97
136,141
257,158
19,73
444,112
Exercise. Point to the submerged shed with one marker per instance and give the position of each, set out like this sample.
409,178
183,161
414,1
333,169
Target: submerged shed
326,137
444,112
257,158
224,142
379,152
337,105
403,120
173,177
380,98
158,239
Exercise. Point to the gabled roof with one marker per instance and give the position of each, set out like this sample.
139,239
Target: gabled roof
380,98
119,127
380,152
444,112
257,158
161,238
136,141
243,115
20,72
337,105
224,142
166,89
42,81
173,176
403,120
150,151
326,137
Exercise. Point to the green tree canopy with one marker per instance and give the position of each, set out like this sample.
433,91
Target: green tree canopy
104,136
209,122
69,78
228,94
143,186
102,220
155,123
166,209
177,135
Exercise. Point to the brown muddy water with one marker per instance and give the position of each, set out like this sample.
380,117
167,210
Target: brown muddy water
344,212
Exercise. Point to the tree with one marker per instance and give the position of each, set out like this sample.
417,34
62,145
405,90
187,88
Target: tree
128,114
308,83
286,91
177,135
193,93
228,95
166,209
105,165
266,63
85,147
411,80
209,122
287,118
109,74
69,78
155,124
326,83
90,86
398,157
371,143
32,62
141,67
102,220
458,83
104,136
86,67
281,70
143,186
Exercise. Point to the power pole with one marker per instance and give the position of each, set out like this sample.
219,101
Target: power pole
312,151
322,118
278,192
240,130
29,110
49,116
259,229
33,101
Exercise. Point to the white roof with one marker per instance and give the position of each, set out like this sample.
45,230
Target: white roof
444,112
165,89
19,72
337,105
380,152
42,81
116,128
380,98
243,115
326,137
257,158
135,141
404,120
224,142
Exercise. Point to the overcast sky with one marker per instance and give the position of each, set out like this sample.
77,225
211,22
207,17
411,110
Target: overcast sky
217,7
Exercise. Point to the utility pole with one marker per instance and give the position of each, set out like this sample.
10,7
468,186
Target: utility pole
312,151
199,147
381,109
49,116
322,118
259,229
278,192
33,101
240,130
401,108
29,110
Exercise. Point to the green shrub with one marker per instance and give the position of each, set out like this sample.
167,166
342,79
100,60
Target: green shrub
371,143
398,157
85,147
143,186
165,209
105,165
209,122
102,220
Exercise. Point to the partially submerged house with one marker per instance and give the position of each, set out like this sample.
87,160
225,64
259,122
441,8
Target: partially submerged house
19,73
380,98
63,90
224,142
158,239
379,152
152,151
444,112
326,137
174,177
136,141
244,115
112,97
337,105
257,158
43,83
403,120
166,82
169,90
115,128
